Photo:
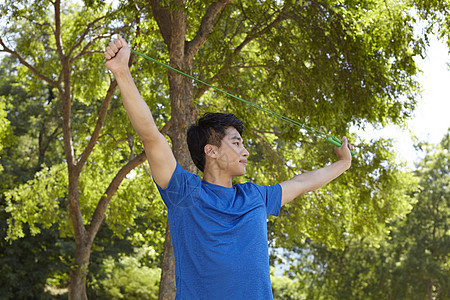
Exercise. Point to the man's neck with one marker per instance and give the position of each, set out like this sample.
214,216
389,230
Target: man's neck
217,179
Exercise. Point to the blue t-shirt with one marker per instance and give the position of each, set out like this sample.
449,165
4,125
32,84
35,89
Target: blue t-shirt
219,237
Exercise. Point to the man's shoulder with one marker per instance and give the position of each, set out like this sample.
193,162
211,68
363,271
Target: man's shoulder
183,187
183,177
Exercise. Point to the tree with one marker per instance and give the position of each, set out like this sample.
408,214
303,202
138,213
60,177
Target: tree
284,288
435,13
346,63
424,246
52,56
127,279
344,72
411,263
26,263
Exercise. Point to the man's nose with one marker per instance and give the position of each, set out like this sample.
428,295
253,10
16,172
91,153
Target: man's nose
245,152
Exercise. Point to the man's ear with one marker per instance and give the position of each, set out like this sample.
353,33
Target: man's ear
210,150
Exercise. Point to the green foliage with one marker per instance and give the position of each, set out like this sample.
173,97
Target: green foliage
425,235
33,188
137,199
329,64
27,263
340,45
286,289
38,202
359,203
126,278
35,126
410,263
436,15
39,197
329,60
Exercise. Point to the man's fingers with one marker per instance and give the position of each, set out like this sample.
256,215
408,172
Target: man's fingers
113,50
117,43
115,46
346,144
112,45
110,52
123,42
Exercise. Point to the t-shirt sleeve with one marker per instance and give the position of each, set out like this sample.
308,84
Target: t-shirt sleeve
272,197
182,188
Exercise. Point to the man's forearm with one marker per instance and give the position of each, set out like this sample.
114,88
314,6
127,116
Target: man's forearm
316,179
312,180
157,149
137,110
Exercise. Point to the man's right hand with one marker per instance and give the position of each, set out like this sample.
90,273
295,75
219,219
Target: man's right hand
117,54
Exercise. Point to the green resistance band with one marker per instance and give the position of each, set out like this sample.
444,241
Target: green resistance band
331,139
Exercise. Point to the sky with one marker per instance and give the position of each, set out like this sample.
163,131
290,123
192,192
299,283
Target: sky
431,118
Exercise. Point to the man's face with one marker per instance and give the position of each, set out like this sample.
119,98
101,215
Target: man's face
232,155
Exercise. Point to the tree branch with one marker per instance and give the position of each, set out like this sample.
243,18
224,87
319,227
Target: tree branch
117,142
83,35
163,18
249,67
166,127
85,48
43,144
254,33
130,139
26,64
267,146
85,51
33,21
99,213
263,131
206,27
98,127
59,47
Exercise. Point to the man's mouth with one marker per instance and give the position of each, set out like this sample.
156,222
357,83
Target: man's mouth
244,162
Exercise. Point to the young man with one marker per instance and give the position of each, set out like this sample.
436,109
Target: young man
219,231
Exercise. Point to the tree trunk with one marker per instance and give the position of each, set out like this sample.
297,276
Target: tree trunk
430,289
183,115
167,286
78,273
173,24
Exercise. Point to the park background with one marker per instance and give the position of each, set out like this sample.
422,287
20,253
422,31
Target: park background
80,216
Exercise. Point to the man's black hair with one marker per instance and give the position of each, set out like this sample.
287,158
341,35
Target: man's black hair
210,129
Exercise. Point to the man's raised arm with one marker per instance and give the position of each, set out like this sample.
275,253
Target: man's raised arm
159,154
310,181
